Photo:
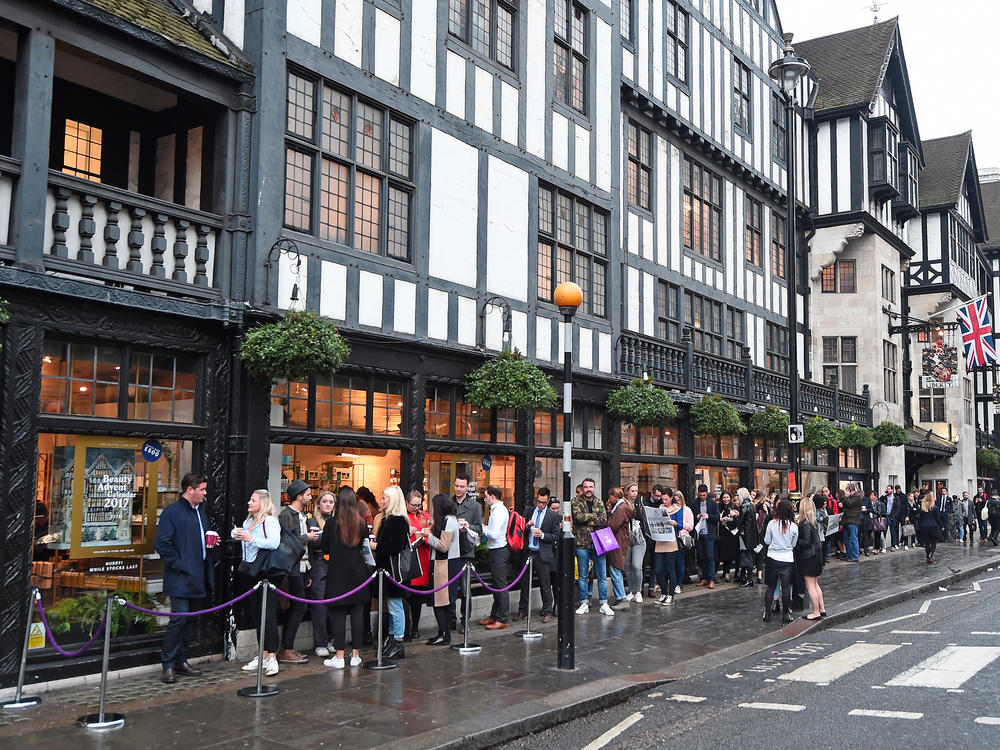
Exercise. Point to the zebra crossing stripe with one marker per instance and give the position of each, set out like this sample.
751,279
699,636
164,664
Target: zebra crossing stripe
949,668
875,714
687,698
991,720
774,706
839,663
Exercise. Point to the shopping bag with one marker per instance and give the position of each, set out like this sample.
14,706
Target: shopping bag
604,540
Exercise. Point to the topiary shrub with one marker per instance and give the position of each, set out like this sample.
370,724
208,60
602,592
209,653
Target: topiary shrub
298,346
713,415
509,381
770,422
889,433
641,403
820,433
988,458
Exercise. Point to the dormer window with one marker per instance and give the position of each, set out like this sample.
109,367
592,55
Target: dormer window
883,160
907,205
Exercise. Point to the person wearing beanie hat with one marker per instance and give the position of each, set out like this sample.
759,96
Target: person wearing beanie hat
293,519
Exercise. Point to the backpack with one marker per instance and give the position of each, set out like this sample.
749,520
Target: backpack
993,506
515,531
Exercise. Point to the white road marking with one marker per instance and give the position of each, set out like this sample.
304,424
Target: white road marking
916,632
976,586
927,604
849,630
839,663
885,714
655,695
949,668
687,698
894,619
956,690
616,730
994,720
774,706
985,632
878,687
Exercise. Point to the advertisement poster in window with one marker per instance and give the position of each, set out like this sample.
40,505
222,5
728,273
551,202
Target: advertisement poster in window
114,498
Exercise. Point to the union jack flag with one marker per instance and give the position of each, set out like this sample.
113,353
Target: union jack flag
977,333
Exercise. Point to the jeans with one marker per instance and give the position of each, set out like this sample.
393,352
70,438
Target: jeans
397,618
634,561
499,563
665,564
894,531
180,630
851,541
617,582
296,587
706,556
583,559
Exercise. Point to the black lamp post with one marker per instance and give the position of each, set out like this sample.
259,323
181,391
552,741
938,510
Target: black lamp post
788,72
568,296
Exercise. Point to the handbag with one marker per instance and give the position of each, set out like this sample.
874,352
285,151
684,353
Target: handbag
407,565
984,514
880,524
635,532
686,541
908,530
604,540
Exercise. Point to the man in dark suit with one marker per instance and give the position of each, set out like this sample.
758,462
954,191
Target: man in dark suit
542,531
706,509
187,571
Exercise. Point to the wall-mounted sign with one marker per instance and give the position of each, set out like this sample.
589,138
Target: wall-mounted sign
939,363
487,463
152,450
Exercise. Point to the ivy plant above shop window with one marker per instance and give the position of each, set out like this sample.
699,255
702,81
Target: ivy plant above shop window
821,433
509,381
295,348
641,403
889,433
713,415
856,436
770,422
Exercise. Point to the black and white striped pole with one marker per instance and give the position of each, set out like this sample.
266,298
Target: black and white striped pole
568,297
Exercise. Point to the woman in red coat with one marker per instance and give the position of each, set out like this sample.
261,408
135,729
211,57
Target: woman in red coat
419,518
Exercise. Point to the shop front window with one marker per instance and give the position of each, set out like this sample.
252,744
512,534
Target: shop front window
290,404
342,403
330,468
652,441
161,387
647,474
769,480
548,428
770,451
717,478
440,470
710,446
80,379
814,481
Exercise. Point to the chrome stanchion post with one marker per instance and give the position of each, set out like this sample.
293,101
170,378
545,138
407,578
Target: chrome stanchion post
527,634
260,690
465,648
24,701
102,720
378,663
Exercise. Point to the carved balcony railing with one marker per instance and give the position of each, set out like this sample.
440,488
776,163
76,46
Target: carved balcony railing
682,367
113,236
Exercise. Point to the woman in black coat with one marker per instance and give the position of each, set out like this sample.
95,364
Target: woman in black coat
393,537
728,544
341,545
929,525
749,537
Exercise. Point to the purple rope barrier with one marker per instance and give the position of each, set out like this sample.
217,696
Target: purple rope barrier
56,646
508,587
210,610
293,598
444,585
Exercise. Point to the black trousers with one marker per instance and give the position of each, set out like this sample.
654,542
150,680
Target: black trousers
339,616
270,617
542,570
459,599
774,571
296,587
499,569
180,630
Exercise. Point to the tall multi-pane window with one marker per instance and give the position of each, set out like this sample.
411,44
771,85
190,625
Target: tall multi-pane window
960,244
776,351
890,363
754,233
702,211
625,19
82,150
677,41
640,164
668,311
840,277
967,400
348,169
840,362
572,246
932,402
883,153
735,333
742,96
570,60
778,132
777,245
487,26
888,284
704,317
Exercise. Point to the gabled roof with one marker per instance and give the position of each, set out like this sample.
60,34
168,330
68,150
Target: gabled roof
849,65
991,207
173,24
946,161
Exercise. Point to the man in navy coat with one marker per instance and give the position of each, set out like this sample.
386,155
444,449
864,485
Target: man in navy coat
187,571
705,508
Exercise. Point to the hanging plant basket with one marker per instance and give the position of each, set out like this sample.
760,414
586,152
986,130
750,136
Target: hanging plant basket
713,415
298,346
889,433
641,403
819,433
509,381
856,436
771,422
988,458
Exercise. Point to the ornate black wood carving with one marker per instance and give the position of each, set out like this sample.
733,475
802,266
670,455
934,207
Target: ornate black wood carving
112,233
136,239
88,228
201,255
159,246
180,249
60,223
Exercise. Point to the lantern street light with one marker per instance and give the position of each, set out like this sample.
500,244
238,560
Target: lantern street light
568,296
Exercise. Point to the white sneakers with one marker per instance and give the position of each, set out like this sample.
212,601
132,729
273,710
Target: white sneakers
322,651
606,609
630,598
583,608
355,661
271,666
251,666
677,589
638,598
662,599
667,601
338,663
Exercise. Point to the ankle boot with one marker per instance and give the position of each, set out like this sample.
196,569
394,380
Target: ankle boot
396,651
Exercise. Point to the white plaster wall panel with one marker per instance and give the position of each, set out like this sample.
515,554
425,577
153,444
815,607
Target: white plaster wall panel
467,319
370,299
543,338
493,328
676,200
454,209
437,314
642,42
685,107
934,236
670,97
507,231
233,21
699,272
823,167
759,289
843,165
386,47
633,233
729,244
694,72
519,330
657,39
534,85
705,39
632,299
648,300
628,64
761,342
751,334
423,56
303,19
561,342
647,239
6,193
604,352
661,170
203,6
864,157
762,103
721,64
455,86
287,278
192,184
484,100
333,295
602,106
347,32
586,354
404,306
560,141
582,156
508,113
687,266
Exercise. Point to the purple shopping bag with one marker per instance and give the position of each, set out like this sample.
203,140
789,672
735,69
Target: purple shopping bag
604,540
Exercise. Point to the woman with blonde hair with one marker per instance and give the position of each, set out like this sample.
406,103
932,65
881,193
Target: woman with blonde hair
683,531
393,537
809,549
929,525
317,575
260,532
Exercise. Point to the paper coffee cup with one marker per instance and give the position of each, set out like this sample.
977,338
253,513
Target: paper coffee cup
211,538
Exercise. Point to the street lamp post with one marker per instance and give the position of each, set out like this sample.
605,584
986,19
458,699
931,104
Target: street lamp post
568,297
788,72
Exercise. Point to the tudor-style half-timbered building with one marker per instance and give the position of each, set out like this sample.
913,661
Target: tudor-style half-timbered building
986,407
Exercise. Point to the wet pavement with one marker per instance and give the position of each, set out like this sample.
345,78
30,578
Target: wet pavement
439,698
